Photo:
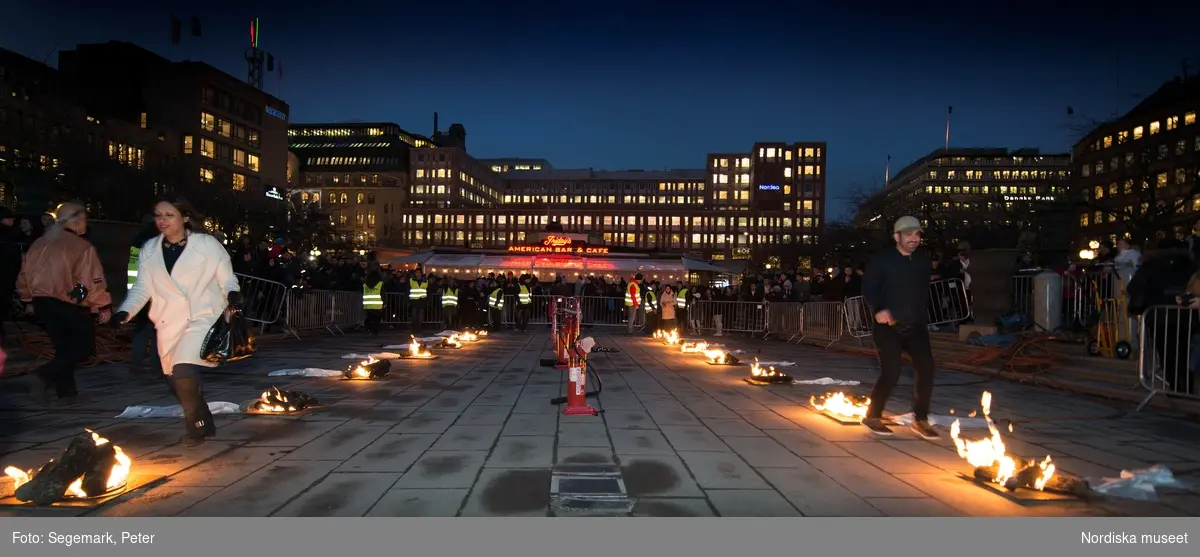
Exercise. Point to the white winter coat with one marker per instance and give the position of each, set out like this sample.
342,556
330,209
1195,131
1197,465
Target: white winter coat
186,302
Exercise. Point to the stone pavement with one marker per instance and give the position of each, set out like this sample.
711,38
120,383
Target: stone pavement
473,434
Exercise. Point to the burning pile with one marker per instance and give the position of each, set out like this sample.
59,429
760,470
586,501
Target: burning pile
993,464
767,375
721,358
452,341
841,406
693,347
277,401
90,466
671,338
369,368
417,350
468,336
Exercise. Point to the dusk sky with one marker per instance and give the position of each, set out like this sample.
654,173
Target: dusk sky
627,86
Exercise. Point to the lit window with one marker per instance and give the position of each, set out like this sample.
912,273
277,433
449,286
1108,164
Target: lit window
1138,132
187,144
239,182
787,171
1108,141
1123,136
252,162
143,120
1172,122
207,148
239,157
206,175
224,127
208,122
1154,128
1189,118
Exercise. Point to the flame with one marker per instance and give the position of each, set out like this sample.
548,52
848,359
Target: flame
274,400
116,477
717,356
758,371
416,350
842,405
991,452
693,347
361,371
452,341
468,336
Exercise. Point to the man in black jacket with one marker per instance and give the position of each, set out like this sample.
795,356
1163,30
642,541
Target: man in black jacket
896,285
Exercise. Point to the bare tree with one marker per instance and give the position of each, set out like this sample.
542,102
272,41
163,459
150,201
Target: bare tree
1147,199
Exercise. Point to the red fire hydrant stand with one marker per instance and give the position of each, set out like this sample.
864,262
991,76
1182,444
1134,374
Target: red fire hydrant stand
577,385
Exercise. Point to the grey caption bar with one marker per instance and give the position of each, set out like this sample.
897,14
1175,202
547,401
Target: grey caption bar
587,537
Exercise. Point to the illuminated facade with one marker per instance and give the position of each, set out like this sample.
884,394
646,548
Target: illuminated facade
984,196
232,138
1141,173
767,201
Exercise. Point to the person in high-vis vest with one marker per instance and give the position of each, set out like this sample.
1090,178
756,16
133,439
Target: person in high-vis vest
651,310
496,307
633,302
418,296
145,338
450,304
524,303
372,299
682,294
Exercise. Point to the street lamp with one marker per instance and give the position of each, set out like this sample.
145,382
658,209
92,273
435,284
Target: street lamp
1087,254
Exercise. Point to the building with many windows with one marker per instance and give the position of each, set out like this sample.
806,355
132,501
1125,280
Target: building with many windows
230,137
53,149
1139,175
767,202
984,196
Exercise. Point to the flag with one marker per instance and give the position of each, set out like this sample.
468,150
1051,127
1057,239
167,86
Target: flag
176,29
949,110
281,69
889,158
1070,110
195,26
270,62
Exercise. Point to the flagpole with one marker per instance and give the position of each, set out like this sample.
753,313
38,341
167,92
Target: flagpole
949,111
887,167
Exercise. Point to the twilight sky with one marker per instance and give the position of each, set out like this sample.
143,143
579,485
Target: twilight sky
657,85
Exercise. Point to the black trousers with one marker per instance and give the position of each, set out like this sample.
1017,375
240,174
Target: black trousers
72,331
891,343
522,316
450,316
145,339
373,319
418,314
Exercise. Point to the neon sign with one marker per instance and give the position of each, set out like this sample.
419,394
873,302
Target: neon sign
276,113
274,193
768,187
557,241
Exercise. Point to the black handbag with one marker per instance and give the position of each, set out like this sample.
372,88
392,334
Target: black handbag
230,338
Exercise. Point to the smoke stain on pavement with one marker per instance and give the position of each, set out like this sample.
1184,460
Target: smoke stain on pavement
442,466
331,499
409,397
587,458
647,477
662,509
517,491
518,451
449,402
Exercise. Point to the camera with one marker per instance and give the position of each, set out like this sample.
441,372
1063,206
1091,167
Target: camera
78,294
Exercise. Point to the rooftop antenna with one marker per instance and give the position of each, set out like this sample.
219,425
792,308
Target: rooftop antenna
255,58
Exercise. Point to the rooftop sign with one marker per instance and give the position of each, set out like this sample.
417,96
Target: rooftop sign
559,245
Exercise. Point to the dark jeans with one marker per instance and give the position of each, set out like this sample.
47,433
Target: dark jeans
522,316
450,316
145,339
72,331
891,343
373,319
418,314
651,323
495,317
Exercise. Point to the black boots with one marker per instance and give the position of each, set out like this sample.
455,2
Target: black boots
197,419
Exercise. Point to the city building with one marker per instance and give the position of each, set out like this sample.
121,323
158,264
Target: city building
52,149
230,137
512,166
1138,176
983,196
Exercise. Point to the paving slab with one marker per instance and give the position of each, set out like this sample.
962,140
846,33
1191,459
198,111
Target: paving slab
672,508
522,452
815,494
511,492
468,438
763,452
657,476
340,494
584,455
426,422
583,435
723,470
264,491
750,503
693,438
419,503
340,443
732,427
163,500
640,442
444,469
390,452
530,424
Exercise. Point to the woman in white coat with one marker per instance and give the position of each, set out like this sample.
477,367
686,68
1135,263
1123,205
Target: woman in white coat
188,278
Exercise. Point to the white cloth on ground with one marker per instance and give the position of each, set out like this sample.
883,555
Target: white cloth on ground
305,372
135,412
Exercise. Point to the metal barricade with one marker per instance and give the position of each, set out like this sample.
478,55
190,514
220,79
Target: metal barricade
1022,297
1170,360
858,317
784,319
263,300
822,322
949,303
307,309
729,316
1078,307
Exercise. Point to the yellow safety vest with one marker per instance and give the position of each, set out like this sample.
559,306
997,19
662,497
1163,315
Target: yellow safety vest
631,294
497,298
450,297
373,297
417,290
681,300
131,271
651,301
525,298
